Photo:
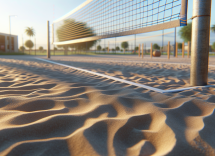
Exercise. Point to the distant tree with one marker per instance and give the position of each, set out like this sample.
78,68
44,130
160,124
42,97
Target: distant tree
30,32
21,48
117,48
103,49
136,48
113,49
29,44
213,46
179,45
213,28
40,48
55,48
99,47
185,32
124,45
156,46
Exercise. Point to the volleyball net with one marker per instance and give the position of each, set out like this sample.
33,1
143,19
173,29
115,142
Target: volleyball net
100,19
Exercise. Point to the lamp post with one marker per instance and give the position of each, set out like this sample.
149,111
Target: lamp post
10,31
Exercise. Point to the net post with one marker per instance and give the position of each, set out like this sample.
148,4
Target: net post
188,49
115,45
48,41
175,44
142,49
200,42
162,42
183,13
182,49
139,51
53,37
168,50
176,50
151,51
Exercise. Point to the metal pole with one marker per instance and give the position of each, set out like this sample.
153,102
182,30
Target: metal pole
162,41
200,42
53,36
175,43
22,44
96,46
48,41
10,35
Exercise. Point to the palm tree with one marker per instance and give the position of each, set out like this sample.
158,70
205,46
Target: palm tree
30,32
213,28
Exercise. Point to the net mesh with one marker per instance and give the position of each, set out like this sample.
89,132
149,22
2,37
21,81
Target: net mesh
105,17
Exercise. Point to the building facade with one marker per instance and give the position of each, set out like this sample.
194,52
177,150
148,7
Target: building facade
5,43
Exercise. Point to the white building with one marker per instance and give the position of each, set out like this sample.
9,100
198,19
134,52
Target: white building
4,43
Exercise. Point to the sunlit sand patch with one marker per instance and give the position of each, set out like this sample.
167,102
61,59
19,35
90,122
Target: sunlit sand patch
52,110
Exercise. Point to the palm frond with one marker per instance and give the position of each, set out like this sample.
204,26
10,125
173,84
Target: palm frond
29,31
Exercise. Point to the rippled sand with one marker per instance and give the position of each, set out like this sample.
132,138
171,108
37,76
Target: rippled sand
48,109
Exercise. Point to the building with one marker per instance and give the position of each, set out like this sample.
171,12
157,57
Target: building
4,43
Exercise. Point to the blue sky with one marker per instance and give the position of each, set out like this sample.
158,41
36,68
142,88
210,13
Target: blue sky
35,13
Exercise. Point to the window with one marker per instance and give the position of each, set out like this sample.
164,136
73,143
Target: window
12,40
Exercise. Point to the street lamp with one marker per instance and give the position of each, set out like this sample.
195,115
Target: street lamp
10,31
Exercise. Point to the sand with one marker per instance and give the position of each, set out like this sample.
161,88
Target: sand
48,109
